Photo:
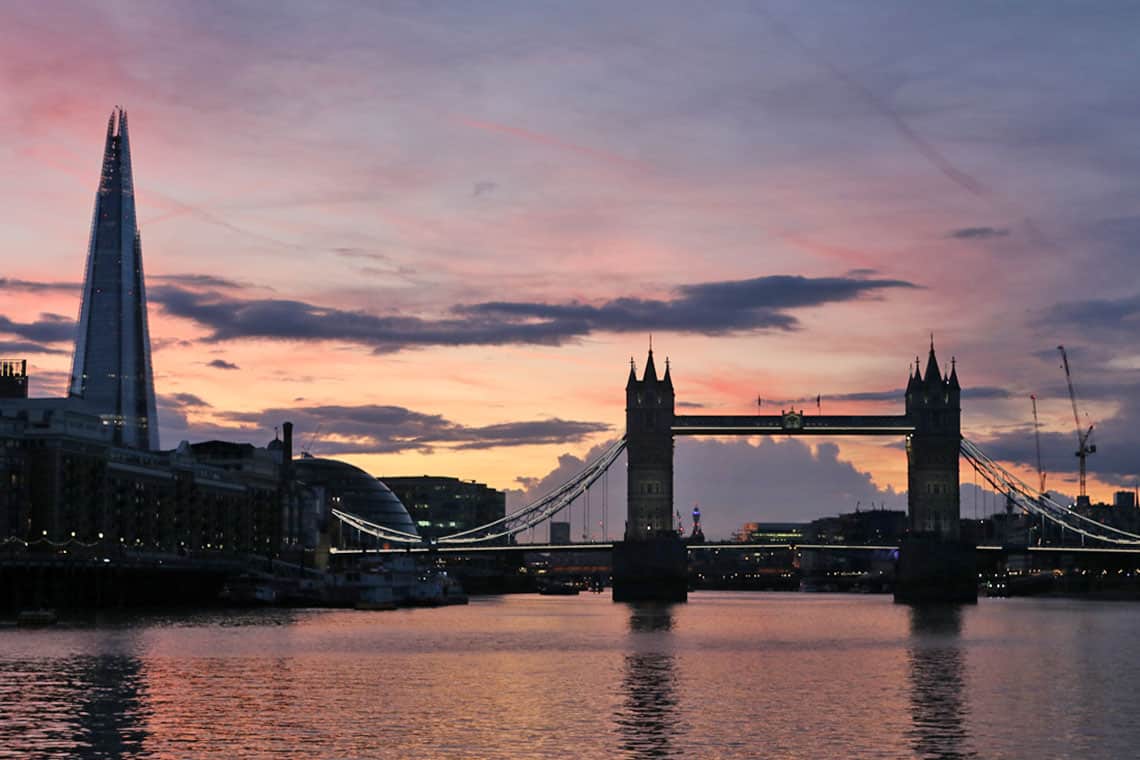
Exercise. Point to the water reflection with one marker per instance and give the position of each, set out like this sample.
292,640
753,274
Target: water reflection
649,717
79,706
937,682
110,709
648,617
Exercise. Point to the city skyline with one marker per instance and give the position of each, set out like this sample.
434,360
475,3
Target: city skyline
439,267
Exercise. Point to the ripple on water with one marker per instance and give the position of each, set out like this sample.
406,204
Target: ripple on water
727,675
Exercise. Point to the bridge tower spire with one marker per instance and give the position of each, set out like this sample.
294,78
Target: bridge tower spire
649,411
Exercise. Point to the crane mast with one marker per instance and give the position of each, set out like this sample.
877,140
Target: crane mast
1037,441
1084,448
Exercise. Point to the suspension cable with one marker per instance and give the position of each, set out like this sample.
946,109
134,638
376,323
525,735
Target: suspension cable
1021,495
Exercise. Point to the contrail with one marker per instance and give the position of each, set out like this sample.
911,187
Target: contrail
928,151
541,139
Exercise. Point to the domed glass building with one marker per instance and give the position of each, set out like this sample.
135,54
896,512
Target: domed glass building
358,492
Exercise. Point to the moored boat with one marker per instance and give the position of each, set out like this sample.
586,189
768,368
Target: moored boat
36,618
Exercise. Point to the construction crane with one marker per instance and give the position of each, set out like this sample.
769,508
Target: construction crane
1037,441
1084,448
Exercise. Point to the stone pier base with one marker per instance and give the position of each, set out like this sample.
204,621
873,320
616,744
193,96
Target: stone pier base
931,570
653,570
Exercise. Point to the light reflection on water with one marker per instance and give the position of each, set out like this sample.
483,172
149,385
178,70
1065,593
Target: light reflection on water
649,715
727,675
937,683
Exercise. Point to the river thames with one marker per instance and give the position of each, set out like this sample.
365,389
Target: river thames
726,675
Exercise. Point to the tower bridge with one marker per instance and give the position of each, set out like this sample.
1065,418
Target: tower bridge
650,562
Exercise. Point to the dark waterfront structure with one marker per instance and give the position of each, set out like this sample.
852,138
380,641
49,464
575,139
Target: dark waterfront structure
13,379
771,533
442,505
91,512
111,371
88,523
934,564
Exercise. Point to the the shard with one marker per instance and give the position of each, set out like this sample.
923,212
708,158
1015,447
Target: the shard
111,372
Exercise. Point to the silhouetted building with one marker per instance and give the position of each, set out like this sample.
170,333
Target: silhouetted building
771,533
13,379
68,486
1124,499
560,533
440,505
111,371
882,527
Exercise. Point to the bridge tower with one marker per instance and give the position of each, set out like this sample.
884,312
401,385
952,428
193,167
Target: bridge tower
649,446
934,405
934,564
652,562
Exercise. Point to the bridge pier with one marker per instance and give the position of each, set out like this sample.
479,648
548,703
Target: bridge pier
651,570
930,570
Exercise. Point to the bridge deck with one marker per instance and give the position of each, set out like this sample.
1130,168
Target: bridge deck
607,546
792,424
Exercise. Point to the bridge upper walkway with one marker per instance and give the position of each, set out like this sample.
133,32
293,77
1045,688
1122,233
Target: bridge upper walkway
791,423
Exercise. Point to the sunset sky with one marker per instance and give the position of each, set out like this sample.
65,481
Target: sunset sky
441,230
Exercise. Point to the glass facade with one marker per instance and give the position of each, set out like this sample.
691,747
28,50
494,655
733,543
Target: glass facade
111,371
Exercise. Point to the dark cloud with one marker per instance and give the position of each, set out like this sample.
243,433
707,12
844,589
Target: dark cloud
980,392
183,401
198,281
1103,315
335,429
1117,439
358,253
690,405
978,233
18,347
30,286
985,392
49,328
708,308
549,431
222,364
